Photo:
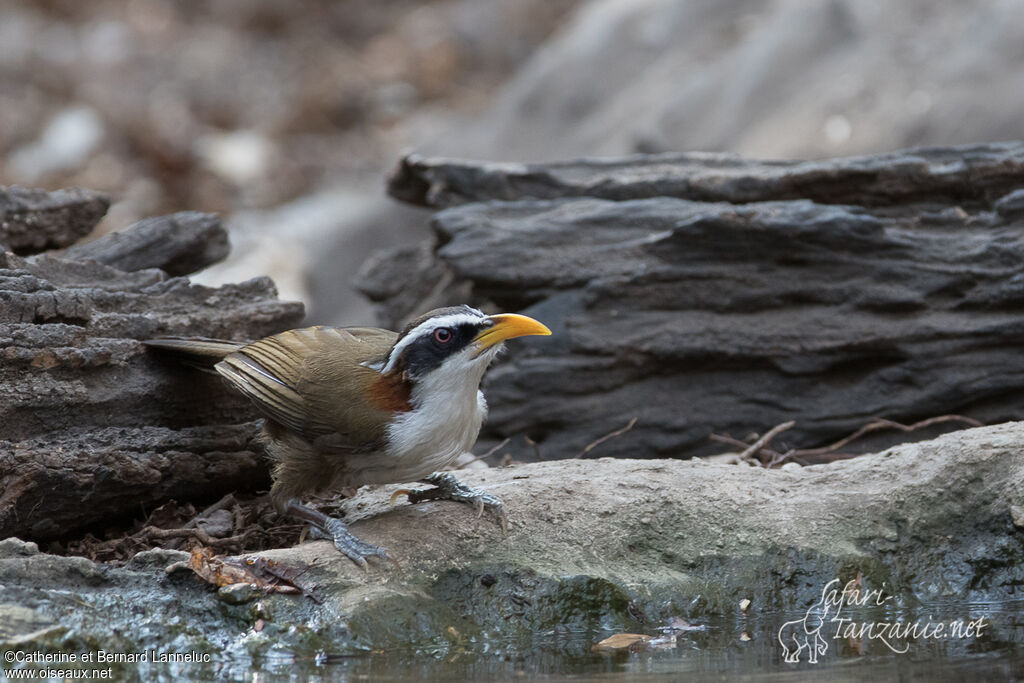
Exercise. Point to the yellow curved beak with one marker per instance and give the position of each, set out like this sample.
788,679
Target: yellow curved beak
507,326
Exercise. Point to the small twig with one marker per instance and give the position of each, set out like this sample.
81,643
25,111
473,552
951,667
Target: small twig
882,423
610,435
782,458
726,439
723,438
164,534
238,540
804,455
488,453
248,535
148,534
753,448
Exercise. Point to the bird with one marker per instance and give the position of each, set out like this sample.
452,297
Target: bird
349,406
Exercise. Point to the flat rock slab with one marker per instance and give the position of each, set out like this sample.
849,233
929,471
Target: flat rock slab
943,174
179,244
708,293
612,544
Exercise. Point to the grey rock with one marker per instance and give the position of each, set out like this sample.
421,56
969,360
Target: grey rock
119,468
1017,515
218,524
705,294
401,280
179,244
13,547
33,220
42,569
156,557
593,544
238,593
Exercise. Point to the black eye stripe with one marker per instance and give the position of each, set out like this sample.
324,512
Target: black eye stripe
429,351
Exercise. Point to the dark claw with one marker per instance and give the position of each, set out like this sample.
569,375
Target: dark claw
356,550
448,487
337,531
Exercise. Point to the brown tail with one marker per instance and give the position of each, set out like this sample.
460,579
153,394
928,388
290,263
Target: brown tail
199,352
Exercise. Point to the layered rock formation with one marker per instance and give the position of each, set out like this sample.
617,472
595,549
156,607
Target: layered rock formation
708,293
94,428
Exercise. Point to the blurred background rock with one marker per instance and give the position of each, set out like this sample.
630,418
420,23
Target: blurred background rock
285,116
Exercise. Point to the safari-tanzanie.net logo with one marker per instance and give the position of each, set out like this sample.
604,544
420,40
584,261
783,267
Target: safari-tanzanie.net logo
808,638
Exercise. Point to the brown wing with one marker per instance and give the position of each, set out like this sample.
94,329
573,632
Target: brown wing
315,381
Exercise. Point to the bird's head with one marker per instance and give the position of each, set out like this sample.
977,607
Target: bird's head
456,341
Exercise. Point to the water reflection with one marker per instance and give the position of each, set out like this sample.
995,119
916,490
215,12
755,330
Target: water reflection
744,648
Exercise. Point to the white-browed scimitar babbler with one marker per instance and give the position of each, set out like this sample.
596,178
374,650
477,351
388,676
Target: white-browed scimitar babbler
345,407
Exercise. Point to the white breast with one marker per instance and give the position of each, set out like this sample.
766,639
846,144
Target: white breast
448,411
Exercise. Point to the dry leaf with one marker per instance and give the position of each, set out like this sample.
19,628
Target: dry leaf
634,642
226,571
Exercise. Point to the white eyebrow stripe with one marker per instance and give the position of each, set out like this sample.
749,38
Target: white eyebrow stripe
426,328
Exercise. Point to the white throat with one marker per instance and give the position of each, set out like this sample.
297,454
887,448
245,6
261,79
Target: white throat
448,410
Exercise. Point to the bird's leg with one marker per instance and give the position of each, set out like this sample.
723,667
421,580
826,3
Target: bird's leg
447,487
336,530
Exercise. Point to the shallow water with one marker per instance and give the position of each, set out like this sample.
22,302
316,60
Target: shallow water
745,648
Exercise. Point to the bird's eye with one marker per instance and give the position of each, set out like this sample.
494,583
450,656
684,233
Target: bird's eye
443,335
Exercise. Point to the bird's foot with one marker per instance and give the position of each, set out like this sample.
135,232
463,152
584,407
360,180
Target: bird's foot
448,487
335,530
356,550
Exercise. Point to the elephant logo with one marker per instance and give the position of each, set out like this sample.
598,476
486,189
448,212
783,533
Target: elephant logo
804,634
